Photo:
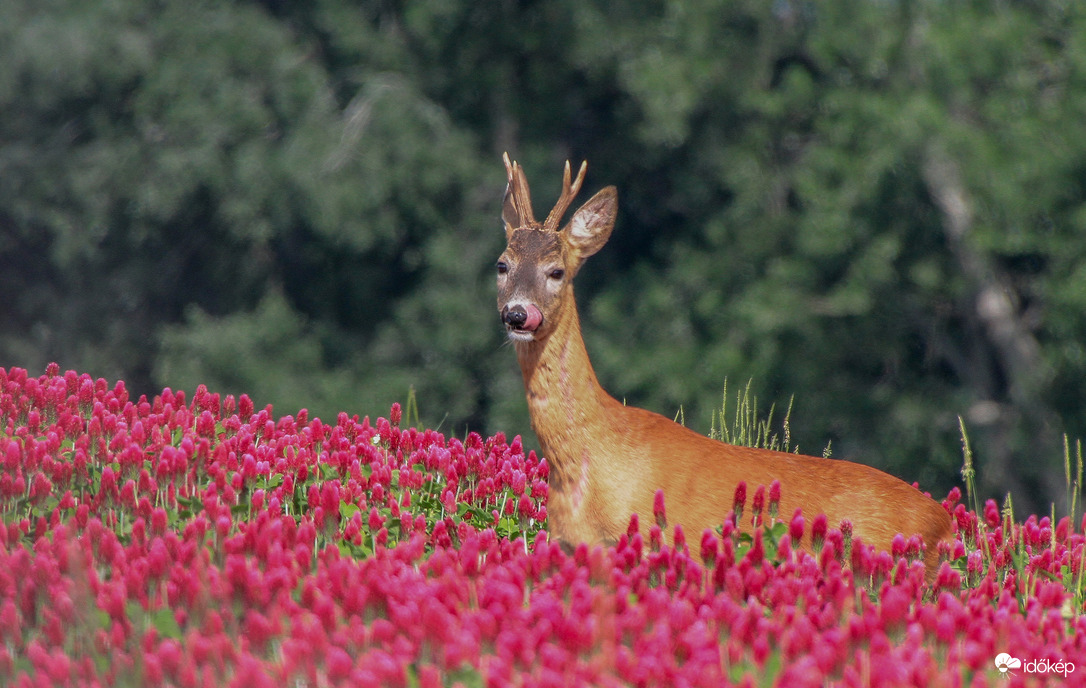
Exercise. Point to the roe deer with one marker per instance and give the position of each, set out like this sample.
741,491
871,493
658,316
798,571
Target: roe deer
607,459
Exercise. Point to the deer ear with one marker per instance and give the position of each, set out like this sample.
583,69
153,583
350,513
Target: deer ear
591,225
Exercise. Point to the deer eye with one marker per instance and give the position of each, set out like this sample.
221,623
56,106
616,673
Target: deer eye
556,274
502,267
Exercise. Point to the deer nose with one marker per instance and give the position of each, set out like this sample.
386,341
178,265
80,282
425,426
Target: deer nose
515,317
520,317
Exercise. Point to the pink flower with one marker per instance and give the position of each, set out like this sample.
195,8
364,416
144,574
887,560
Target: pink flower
739,501
795,527
223,525
205,425
679,538
658,509
818,531
757,504
774,498
708,548
518,482
756,555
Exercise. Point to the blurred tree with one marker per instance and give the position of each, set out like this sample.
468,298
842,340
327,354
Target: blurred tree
151,158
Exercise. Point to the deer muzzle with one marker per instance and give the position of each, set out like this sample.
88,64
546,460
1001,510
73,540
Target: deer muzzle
522,317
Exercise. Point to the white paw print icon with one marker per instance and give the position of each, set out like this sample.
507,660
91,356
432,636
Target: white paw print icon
1004,662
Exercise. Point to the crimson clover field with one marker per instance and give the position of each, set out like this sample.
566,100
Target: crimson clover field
206,542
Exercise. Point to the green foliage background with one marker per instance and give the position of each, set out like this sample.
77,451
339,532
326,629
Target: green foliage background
875,206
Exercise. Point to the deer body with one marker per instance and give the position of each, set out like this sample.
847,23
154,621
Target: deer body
606,459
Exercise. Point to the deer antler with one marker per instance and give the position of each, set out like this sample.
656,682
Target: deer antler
569,192
517,210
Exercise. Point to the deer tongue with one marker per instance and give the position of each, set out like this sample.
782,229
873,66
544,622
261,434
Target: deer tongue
534,318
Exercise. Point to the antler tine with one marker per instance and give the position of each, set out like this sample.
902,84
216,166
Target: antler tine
517,191
509,174
569,192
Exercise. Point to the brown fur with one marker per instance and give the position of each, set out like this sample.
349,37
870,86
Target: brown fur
607,460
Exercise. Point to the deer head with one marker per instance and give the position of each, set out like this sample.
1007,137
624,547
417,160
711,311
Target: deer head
535,272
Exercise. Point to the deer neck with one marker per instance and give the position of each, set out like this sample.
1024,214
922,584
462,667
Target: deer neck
565,401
